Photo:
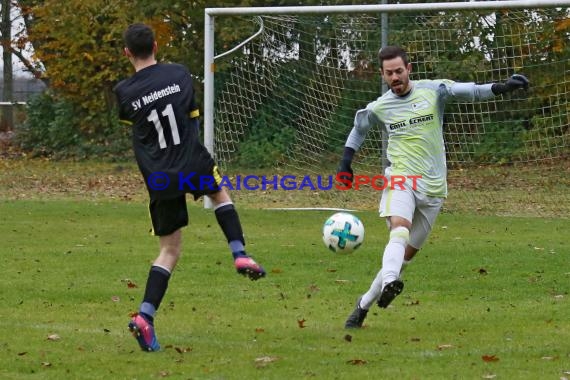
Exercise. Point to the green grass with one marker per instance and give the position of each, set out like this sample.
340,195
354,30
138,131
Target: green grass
534,190
482,287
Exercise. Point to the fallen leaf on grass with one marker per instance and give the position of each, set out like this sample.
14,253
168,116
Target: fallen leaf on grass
53,337
46,364
489,358
313,288
301,323
549,358
183,350
489,376
356,361
259,330
444,346
115,298
265,360
129,283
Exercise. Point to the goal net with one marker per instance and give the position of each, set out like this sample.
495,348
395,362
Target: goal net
287,97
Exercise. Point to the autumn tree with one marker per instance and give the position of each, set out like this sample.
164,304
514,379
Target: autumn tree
13,37
77,45
6,30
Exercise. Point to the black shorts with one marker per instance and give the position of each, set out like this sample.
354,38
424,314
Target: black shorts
170,214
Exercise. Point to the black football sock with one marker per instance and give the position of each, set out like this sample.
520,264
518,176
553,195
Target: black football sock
228,219
156,286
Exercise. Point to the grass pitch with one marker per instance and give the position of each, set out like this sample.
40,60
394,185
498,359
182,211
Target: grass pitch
486,298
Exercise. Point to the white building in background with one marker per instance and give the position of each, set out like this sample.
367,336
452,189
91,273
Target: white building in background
23,87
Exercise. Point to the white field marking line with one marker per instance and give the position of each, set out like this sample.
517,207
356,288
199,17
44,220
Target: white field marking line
308,209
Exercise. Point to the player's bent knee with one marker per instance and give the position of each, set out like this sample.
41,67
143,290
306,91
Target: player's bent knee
172,251
220,197
400,235
397,221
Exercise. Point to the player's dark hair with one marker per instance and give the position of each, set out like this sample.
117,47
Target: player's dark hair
391,52
139,39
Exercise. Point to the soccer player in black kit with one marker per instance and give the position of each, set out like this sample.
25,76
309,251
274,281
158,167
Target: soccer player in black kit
158,102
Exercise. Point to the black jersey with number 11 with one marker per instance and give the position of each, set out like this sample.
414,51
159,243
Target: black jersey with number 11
159,103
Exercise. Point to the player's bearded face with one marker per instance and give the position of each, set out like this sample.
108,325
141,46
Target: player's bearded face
397,75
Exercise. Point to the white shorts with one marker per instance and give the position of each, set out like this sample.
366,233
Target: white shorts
418,208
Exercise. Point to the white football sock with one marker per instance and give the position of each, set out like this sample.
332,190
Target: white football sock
373,293
394,254
405,264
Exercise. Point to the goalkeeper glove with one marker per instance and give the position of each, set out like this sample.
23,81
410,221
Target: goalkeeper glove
344,171
515,82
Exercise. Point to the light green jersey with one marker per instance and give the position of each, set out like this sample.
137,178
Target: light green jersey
414,123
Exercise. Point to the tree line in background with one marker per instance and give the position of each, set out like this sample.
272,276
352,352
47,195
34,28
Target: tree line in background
75,47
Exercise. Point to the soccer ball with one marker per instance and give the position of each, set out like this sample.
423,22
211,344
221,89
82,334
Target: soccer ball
343,233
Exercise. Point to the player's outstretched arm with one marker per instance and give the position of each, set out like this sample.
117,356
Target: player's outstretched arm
363,120
515,82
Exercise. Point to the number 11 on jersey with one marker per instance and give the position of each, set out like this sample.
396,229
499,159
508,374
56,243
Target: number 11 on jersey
168,112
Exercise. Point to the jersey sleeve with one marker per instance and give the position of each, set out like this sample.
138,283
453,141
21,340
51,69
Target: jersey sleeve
465,91
193,110
123,117
363,121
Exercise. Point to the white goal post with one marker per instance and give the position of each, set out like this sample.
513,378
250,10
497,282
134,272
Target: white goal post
311,67
211,13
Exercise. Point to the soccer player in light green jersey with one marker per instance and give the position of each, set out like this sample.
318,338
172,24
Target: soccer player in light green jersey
412,114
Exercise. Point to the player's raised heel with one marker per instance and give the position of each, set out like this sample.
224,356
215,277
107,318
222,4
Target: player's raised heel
143,331
390,292
356,319
246,266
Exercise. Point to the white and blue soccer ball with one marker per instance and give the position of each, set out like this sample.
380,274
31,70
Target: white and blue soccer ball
343,233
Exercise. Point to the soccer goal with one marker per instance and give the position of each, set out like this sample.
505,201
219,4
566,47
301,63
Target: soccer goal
282,84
